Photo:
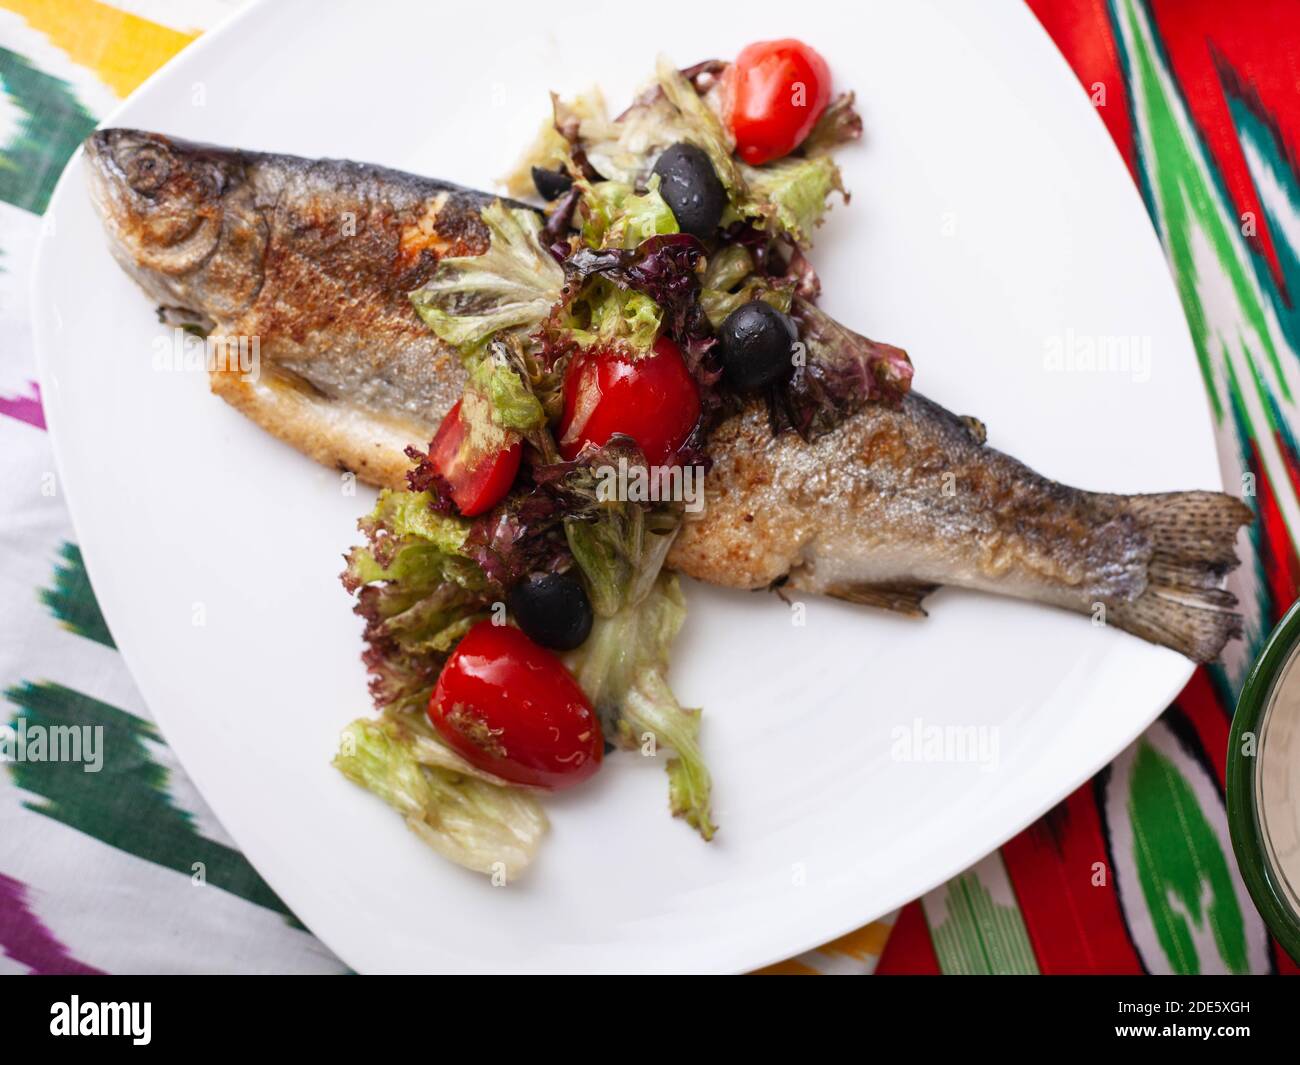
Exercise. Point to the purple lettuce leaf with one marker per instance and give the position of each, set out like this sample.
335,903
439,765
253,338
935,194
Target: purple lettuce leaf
840,372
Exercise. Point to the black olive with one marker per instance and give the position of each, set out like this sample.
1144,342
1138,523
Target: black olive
691,188
757,342
553,609
551,184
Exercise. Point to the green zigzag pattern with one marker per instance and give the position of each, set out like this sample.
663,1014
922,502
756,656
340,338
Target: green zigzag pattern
72,600
54,123
1177,855
125,804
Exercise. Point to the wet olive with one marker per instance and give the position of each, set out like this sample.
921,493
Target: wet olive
757,342
691,189
551,184
553,609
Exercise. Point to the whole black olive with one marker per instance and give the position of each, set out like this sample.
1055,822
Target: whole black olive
757,343
552,609
551,184
691,188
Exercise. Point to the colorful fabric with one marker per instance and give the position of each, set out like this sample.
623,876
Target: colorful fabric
1134,872
126,869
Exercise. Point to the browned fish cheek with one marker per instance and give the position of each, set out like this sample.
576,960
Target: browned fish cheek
443,229
165,228
423,235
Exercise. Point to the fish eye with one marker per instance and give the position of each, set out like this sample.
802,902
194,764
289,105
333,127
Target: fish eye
147,168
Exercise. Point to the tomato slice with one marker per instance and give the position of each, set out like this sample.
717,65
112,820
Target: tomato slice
652,399
776,92
477,458
512,709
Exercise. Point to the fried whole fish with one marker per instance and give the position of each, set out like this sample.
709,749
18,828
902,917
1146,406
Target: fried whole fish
316,258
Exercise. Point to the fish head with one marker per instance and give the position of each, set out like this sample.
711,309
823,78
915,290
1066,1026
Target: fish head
178,218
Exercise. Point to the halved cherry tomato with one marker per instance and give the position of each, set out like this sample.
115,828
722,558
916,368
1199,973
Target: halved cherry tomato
652,399
478,459
512,709
775,92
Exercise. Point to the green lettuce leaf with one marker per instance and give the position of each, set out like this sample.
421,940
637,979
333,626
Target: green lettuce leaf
466,818
730,282
512,403
512,285
416,590
623,669
622,150
604,314
399,513
791,194
701,127
619,544
410,546
788,197
616,217
668,112
608,549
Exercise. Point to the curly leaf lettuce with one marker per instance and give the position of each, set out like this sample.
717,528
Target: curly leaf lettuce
619,544
407,514
459,813
623,668
417,591
616,217
787,198
606,315
840,372
791,194
620,552
839,124
625,149
512,285
511,402
731,281
621,150
700,126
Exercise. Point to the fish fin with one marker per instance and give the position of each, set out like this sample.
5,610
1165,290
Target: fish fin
1193,539
978,431
902,597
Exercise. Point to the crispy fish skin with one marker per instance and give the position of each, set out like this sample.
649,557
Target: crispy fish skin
315,258
899,500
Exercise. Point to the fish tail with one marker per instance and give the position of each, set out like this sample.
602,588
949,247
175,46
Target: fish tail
1184,606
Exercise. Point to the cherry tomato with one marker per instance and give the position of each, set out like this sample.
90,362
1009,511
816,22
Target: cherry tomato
652,399
512,709
776,92
480,461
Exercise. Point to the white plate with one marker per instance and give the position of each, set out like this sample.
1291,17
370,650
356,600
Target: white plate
990,214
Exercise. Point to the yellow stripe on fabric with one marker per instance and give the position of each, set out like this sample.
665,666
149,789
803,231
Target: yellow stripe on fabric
793,967
121,48
866,942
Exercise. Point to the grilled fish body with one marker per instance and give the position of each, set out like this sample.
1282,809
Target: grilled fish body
315,259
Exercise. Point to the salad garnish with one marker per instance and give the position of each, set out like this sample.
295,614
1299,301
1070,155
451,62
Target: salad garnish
517,615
